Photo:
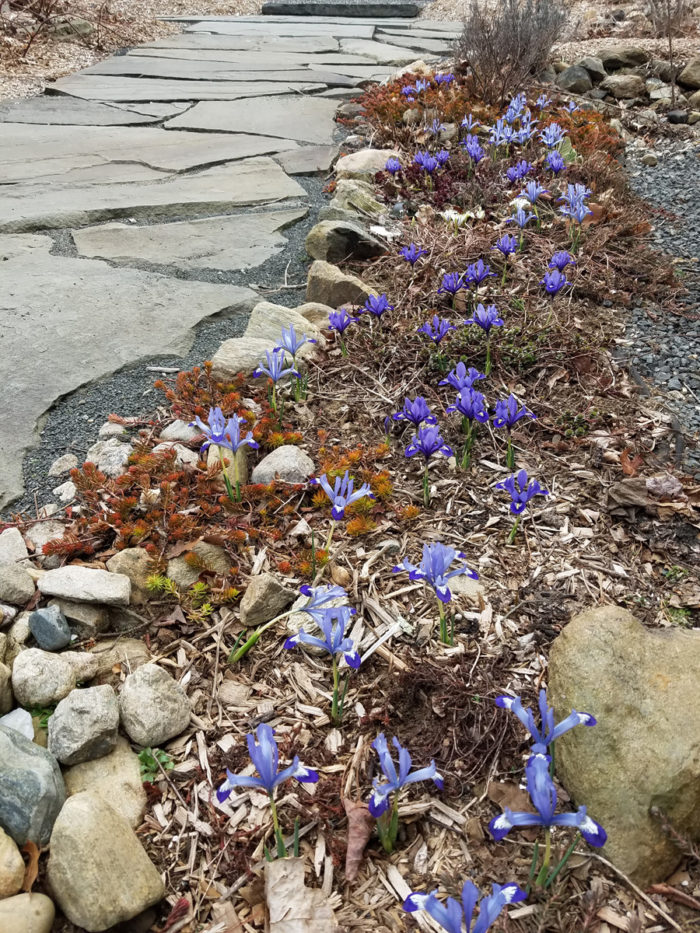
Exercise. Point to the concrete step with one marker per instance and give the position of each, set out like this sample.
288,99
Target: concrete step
366,9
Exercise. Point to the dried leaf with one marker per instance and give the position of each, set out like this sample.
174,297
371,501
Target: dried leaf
630,464
180,547
31,850
222,913
360,828
294,908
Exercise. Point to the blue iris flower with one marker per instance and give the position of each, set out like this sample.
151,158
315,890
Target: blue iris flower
291,342
376,305
478,272
521,218
275,368
576,210
543,795
320,597
427,162
265,756
462,378
508,413
422,84
485,318
554,281
472,405
442,157
532,191
507,244
561,259
469,123
452,282
451,914
426,442
551,135
555,161
340,320
548,731
223,433
332,623
437,330
395,780
444,78
543,101
473,148
416,412
520,490
392,166
342,493
519,170
434,569
412,253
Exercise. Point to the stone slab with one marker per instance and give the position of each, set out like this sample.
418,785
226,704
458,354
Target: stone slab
265,21
351,8
29,152
234,242
246,61
306,119
239,184
120,315
287,29
268,44
361,73
408,41
378,51
55,110
306,160
114,88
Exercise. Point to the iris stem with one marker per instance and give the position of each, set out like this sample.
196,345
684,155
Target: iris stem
510,454
544,870
255,637
505,269
281,848
487,368
334,707
469,439
426,486
444,637
388,826
514,530
330,534
343,347
234,497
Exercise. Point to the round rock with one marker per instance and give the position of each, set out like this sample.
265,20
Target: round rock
16,585
153,706
40,678
115,778
27,913
11,867
287,463
50,628
84,725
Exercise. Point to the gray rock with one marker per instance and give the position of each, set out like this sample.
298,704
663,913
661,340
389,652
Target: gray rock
355,197
6,698
63,464
690,76
85,620
649,159
84,725
136,564
315,313
184,457
11,868
575,79
336,241
86,585
624,87
623,57
211,557
48,110
16,585
41,533
238,355
40,678
92,842
594,67
50,628
694,100
66,492
127,654
153,706
365,8
288,464
677,116
27,913
21,721
299,118
365,163
328,285
12,546
31,789
110,456
267,320
639,684
180,431
70,28
115,778
265,597
307,159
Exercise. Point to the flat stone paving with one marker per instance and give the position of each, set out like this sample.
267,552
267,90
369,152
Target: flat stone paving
127,188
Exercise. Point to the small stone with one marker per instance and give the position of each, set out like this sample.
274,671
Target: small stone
16,585
623,57
649,159
288,464
84,725
21,721
40,533
211,557
12,546
575,80
180,431
136,564
677,116
183,455
124,654
315,313
93,843
111,429
50,628
335,241
237,355
364,164
115,778
265,597
624,87
40,678
66,492
63,464
31,789
27,913
110,456
85,620
694,100
355,198
328,285
153,706
86,585
267,320
594,67
693,117
690,76
11,868
6,698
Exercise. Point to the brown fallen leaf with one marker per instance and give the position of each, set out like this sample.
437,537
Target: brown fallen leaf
223,912
360,828
31,850
630,464
294,908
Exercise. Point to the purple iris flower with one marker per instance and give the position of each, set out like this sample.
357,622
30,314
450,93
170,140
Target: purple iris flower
434,569
485,317
521,218
320,598
528,128
427,162
452,282
508,413
376,305
291,343
340,320
392,166
427,442
437,330
502,132
412,253
516,107
555,161
554,281
462,378
395,780
223,433
532,191
576,192
472,405
576,210
422,84
477,272
518,171
416,411
332,623
473,148
543,101
275,366
343,493
507,244
520,490
543,795
469,123
409,91
572,106
561,259
265,756
549,730
442,157
450,915
444,78
436,127
551,135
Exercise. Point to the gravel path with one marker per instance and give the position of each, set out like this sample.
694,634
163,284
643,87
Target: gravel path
665,351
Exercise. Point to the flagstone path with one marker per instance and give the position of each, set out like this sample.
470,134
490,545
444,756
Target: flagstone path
127,188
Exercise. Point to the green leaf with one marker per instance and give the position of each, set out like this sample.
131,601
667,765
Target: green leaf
567,151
